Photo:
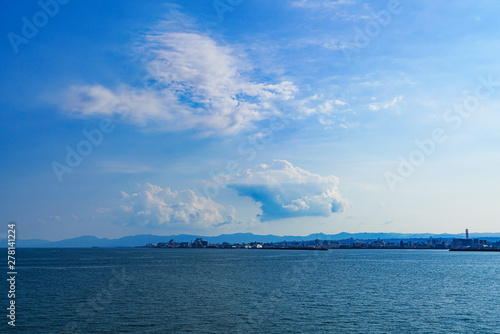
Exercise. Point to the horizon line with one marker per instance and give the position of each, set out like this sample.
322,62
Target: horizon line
276,235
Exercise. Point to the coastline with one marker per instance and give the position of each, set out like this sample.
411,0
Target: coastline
475,250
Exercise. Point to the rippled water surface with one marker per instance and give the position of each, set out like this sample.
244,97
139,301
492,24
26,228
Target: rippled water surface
256,291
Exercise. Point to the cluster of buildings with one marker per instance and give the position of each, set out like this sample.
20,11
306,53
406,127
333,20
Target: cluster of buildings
431,243
200,243
467,243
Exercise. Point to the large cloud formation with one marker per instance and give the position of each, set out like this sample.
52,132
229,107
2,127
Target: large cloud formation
154,206
286,191
193,82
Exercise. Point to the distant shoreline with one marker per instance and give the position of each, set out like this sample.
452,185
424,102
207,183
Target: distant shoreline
292,248
474,250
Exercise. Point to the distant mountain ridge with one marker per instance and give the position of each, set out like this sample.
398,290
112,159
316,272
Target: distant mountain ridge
87,241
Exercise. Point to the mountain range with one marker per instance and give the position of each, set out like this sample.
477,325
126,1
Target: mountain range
143,239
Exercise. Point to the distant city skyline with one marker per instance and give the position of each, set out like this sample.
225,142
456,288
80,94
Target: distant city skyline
219,117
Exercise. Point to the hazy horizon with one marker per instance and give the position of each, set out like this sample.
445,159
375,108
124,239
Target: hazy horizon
472,234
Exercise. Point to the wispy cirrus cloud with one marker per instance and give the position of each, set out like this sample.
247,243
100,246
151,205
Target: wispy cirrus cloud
343,10
387,104
321,4
121,167
286,191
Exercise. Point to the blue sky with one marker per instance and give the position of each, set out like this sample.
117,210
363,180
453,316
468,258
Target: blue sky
282,117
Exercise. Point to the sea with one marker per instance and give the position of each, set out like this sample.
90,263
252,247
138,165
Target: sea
140,290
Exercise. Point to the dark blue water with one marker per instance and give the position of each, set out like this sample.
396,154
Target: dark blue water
256,291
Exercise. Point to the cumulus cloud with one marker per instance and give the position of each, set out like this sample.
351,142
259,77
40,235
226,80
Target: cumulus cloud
287,191
193,82
155,206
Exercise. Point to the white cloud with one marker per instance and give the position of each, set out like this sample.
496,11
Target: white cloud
155,206
327,107
388,104
394,101
194,82
327,112
335,10
325,41
287,191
